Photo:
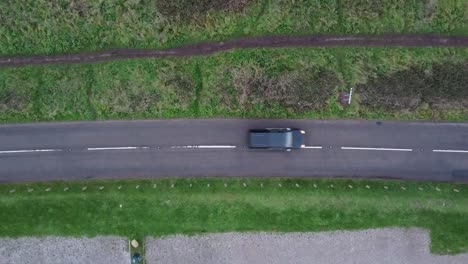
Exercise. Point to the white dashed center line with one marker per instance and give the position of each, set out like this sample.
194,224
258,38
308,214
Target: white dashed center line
28,151
381,149
117,148
312,147
216,146
450,151
224,147
205,147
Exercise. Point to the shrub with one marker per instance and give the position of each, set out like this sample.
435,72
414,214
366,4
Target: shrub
129,100
180,84
401,90
296,91
448,87
311,92
442,87
12,102
189,9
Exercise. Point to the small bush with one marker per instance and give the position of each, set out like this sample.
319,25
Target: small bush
312,92
131,94
80,7
130,100
402,90
12,102
448,87
297,91
181,84
443,87
189,9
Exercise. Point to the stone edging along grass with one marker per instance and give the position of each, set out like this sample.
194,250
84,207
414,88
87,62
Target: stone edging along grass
137,209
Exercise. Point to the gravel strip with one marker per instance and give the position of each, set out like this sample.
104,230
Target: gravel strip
383,246
64,250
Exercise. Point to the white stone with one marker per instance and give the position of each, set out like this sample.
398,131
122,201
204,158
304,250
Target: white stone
134,243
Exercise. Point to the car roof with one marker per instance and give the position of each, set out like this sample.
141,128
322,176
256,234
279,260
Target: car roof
271,139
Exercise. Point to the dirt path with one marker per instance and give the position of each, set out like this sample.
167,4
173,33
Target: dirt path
243,43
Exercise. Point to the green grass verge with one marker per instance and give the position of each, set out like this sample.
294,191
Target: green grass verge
49,27
259,83
162,207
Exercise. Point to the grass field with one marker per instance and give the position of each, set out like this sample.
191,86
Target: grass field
162,207
392,83
61,26
396,83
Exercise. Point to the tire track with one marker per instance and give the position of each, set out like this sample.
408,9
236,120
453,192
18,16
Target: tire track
209,48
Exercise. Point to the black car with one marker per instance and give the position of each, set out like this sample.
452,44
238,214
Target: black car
276,138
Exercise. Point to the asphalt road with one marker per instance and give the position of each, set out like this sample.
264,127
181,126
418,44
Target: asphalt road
216,148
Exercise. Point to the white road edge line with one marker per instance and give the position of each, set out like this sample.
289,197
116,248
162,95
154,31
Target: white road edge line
28,151
312,147
383,149
450,151
117,148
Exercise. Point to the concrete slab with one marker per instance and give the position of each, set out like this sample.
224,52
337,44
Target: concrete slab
64,250
383,246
